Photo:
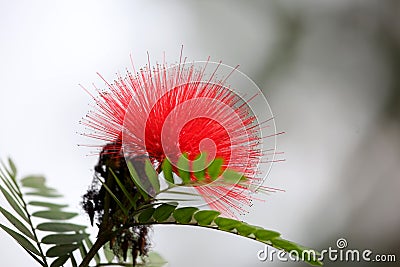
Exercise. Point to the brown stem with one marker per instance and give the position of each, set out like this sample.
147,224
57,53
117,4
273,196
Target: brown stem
102,239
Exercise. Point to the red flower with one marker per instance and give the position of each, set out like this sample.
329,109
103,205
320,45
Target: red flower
164,112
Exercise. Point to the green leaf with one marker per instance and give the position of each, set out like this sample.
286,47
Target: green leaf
34,182
233,177
167,170
82,250
226,224
60,227
9,172
61,250
63,238
214,170
122,207
44,193
124,190
13,168
199,166
73,261
13,188
266,235
145,215
47,205
21,240
184,215
14,204
206,217
136,180
35,258
55,214
108,253
183,168
245,229
155,260
19,225
152,175
284,244
163,212
60,261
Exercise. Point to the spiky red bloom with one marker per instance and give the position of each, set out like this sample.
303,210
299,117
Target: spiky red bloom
165,112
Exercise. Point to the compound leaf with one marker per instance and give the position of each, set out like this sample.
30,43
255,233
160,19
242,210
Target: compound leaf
184,215
54,214
19,225
21,240
163,212
206,217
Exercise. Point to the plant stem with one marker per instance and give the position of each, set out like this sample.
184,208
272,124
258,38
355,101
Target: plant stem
100,242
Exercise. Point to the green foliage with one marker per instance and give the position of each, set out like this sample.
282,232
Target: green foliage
215,167
122,207
167,171
60,227
200,172
108,253
60,261
61,250
64,238
163,212
204,172
233,177
25,243
146,215
61,237
227,224
52,214
137,181
17,224
199,166
152,175
47,205
153,260
184,215
212,219
14,203
124,190
25,232
183,168
206,217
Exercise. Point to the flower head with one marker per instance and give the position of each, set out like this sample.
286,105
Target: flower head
164,112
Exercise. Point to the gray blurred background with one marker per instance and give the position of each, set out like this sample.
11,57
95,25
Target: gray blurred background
329,69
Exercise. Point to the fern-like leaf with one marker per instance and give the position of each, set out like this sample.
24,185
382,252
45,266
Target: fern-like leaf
63,237
170,214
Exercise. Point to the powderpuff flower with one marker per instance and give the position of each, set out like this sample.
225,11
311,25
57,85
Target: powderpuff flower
162,112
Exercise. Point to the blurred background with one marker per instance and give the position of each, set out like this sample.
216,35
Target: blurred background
329,69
